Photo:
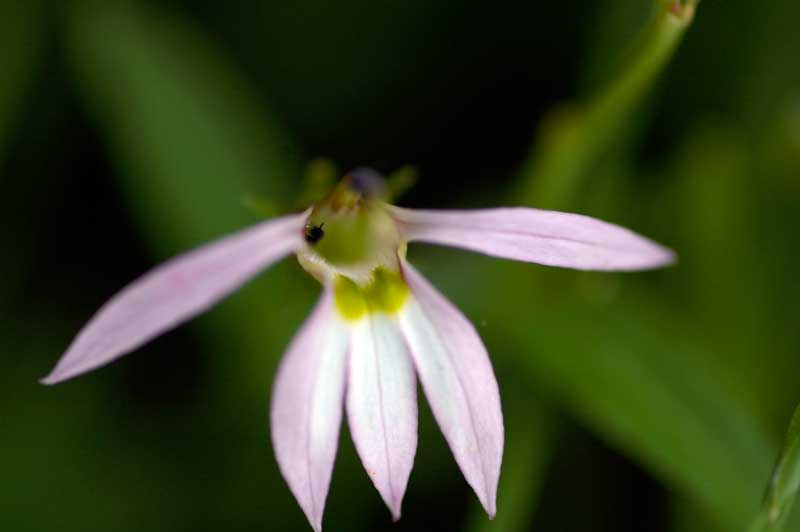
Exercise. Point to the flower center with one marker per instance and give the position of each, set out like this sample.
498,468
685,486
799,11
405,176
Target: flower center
350,233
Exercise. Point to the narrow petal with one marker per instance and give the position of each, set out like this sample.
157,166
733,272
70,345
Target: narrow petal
457,377
532,235
306,410
176,291
382,406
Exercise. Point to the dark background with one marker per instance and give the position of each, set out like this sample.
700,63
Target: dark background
132,130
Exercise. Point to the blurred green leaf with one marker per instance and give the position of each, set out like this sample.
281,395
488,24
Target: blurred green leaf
21,47
685,516
783,486
530,437
770,78
623,373
188,128
717,186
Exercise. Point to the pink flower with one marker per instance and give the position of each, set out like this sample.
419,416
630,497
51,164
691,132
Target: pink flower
377,327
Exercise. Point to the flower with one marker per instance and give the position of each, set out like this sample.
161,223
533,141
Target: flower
378,326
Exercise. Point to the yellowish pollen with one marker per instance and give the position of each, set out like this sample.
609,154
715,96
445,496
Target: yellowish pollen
386,293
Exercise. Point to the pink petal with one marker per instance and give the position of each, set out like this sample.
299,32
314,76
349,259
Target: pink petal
176,291
382,406
532,235
458,381
306,410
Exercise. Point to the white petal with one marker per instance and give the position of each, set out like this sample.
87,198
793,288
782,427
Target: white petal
457,377
533,235
306,410
175,292
382,406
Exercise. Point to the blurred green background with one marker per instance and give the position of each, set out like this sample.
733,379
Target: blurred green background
657,401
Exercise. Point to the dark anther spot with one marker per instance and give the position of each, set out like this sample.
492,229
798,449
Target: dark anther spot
314,233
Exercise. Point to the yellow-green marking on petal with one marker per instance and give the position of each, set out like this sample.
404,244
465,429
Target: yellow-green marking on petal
349,299
387,292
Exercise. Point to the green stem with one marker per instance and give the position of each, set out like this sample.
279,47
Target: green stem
574,136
